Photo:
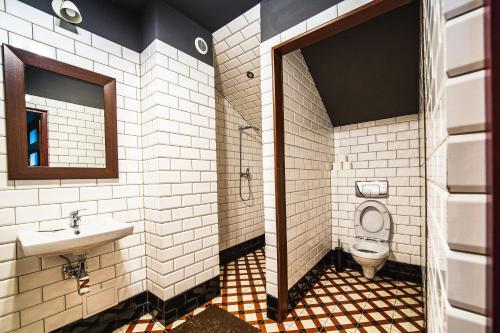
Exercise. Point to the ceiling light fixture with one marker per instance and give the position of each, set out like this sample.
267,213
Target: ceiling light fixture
201,45
67,11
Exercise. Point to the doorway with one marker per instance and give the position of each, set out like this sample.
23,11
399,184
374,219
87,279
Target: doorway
278,307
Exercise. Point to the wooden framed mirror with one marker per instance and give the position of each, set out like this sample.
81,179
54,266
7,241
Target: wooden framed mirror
61,119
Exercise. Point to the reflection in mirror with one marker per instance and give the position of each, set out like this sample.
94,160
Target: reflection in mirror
64,121
37,137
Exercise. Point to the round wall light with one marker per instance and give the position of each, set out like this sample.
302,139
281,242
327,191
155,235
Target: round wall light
67,11
250,75
201,45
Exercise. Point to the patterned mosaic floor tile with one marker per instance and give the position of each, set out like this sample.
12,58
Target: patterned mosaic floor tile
343,302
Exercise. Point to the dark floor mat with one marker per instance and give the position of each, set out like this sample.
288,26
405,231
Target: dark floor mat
215,320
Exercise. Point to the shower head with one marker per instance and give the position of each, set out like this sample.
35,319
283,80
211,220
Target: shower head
243,128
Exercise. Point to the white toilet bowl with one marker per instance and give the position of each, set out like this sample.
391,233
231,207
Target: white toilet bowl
371,255
370,248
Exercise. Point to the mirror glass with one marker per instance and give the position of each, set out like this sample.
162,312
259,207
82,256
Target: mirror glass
64,121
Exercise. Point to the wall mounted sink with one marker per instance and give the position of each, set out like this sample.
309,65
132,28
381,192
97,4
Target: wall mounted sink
66,241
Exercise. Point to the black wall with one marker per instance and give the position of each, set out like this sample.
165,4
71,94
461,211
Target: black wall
135,27
278,15
371,71
212,14
105,19
164,22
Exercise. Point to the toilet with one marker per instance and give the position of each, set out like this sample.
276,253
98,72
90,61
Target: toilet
372,226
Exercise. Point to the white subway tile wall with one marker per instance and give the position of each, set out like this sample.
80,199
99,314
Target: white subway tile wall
434,75
465,269
308,161
33,295
465,93
236,52
239,220
75,133
465,55
454,48
180,176
466,163
386,149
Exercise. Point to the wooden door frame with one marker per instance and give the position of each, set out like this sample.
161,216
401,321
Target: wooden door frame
349,20
492,44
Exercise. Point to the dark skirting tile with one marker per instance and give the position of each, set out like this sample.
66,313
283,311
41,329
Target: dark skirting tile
241,250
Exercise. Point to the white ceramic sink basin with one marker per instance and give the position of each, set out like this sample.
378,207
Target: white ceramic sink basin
66,241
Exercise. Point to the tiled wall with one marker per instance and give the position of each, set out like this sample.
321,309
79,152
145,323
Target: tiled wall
308,160
386,149
453,71
75,133
33,294
180,178
236,52
267,126
239,220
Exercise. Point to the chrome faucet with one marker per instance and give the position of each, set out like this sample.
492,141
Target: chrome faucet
75,220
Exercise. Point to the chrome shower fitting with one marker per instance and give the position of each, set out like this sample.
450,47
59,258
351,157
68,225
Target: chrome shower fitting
243,128
244,174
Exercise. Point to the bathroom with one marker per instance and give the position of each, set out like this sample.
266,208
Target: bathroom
249,166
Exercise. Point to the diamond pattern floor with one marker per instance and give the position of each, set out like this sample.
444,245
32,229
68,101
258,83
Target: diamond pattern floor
339,302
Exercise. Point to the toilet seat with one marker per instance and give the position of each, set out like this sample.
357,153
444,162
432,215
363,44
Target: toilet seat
369,249
372,221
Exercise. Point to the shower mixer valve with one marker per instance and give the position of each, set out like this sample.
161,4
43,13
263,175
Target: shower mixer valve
245,174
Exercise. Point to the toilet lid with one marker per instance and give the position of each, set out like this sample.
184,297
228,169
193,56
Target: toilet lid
372,221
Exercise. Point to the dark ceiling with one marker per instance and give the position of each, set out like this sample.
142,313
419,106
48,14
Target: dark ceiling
369,72
211,14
